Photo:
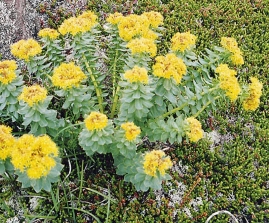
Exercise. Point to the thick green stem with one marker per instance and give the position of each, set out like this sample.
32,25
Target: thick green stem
175,109
184,104
116,87
115,102
204,107
114,78
97,89
62,130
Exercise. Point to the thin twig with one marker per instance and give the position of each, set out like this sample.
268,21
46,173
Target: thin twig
185,198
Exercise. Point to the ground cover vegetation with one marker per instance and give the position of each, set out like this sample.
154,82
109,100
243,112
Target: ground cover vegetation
228,170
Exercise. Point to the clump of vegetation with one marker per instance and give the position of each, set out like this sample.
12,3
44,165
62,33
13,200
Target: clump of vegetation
230,174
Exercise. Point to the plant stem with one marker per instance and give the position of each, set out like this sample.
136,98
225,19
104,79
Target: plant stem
186,196
115,102
68,128
81,181
97,89
204,107
114,75
185,104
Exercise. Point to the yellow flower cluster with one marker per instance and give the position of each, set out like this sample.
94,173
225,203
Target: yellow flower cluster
156,161
131,130
47,32
151,35
7,71
133,25
25,49
7,142
35,155
33,94
75,25
195,129
96,121
155,18
67,75
114,18
255,91
228,81
136,25
137,74
169,66
231,45
142,45
182,41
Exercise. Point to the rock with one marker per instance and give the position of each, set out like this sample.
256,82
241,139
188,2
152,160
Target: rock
20,19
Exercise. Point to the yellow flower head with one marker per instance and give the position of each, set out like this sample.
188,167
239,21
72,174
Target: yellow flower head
131,130
137,74
229,44
82,23
25,49
44,146
156,161
142,45
114,18
133,25
96,121
7,71
195,131
228,81
182,41
34,155
7,142
155,18
150,35
67,75
169,66
237,58
50,33
69,26
89,16
42,152
8,64
33,94
40,167
255,91
21,153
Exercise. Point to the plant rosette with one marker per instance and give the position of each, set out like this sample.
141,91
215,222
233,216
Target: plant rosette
37,115
78,99
36,161
97,134
54,51
135,100
10,88
43,182
145,170
126,139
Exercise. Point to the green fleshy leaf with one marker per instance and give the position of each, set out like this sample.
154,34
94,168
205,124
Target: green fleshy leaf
2,167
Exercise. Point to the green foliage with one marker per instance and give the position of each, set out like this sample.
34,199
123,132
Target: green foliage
96,141
9,102
234,173
39,118
43,183
226,169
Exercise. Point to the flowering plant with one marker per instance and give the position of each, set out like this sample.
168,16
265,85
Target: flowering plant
119,95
